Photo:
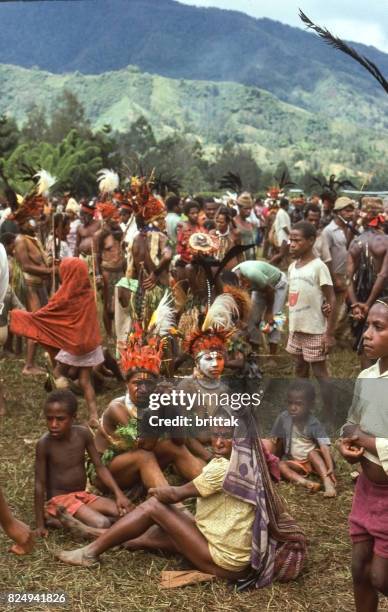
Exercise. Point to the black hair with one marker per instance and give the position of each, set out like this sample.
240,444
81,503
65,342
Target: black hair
191,204
66,398
7,238
61,219
209,201
172,202
284,202
314,208
229,278
301,385
227,212
329,196
307,229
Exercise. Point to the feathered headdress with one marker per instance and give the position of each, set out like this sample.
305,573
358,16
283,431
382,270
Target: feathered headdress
145,204
222,314
33,204
108,210
108,181
331,185
275,192
231,181
162,321
199,342
140,353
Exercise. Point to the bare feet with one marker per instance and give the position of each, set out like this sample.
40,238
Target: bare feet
76,528
33,371
23,537
77,557
312,486
329,488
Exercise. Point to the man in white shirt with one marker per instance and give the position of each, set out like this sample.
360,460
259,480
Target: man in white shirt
282,227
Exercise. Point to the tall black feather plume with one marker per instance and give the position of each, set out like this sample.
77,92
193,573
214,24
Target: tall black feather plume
231,181
339,44
9,193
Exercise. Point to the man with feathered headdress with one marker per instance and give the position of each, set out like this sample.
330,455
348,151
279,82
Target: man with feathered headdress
110,261
31,256
150,257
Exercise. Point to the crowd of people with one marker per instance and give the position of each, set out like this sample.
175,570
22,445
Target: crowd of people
169,295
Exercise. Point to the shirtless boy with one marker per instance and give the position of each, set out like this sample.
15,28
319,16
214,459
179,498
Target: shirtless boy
60,476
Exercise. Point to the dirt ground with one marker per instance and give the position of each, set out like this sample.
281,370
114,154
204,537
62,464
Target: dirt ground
127,581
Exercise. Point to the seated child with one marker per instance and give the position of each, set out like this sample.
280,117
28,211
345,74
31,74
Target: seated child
60,476
18,531
299,439
217,540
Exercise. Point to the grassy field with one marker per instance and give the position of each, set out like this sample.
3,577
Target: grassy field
130,581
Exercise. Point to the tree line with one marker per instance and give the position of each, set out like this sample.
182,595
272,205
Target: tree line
66,145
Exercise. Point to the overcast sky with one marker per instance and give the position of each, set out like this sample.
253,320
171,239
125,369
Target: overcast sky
363,21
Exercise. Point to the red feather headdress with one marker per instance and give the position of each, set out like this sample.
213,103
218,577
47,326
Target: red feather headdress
141,354
145,204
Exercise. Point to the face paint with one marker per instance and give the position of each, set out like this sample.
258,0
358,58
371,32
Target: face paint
211,365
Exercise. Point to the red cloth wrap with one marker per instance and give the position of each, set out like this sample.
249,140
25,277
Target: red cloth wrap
69,321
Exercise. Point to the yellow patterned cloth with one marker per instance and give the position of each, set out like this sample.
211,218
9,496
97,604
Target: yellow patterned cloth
225,521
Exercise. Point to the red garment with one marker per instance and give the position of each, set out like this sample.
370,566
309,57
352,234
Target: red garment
183,237
69,321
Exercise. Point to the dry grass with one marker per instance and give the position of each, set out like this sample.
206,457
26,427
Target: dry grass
130,581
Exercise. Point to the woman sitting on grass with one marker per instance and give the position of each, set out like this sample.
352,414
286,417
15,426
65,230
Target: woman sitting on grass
239,520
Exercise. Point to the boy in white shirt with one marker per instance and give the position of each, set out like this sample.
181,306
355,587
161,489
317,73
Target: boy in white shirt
311,298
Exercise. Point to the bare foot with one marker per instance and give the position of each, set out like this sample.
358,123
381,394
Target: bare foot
76,528
33,371
312,486
77,557
22,536
329,488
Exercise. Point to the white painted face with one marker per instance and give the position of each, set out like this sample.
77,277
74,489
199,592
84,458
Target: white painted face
211,364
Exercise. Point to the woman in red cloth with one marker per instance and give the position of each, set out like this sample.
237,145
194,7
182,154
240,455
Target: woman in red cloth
68,327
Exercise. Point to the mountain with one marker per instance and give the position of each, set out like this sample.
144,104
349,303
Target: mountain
178,41
213,112
212,73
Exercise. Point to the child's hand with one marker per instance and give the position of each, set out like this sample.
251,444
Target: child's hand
166,495
123,504
349,450
41,532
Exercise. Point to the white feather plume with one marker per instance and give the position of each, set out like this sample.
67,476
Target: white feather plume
163,318
108,180
46,180
220,314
